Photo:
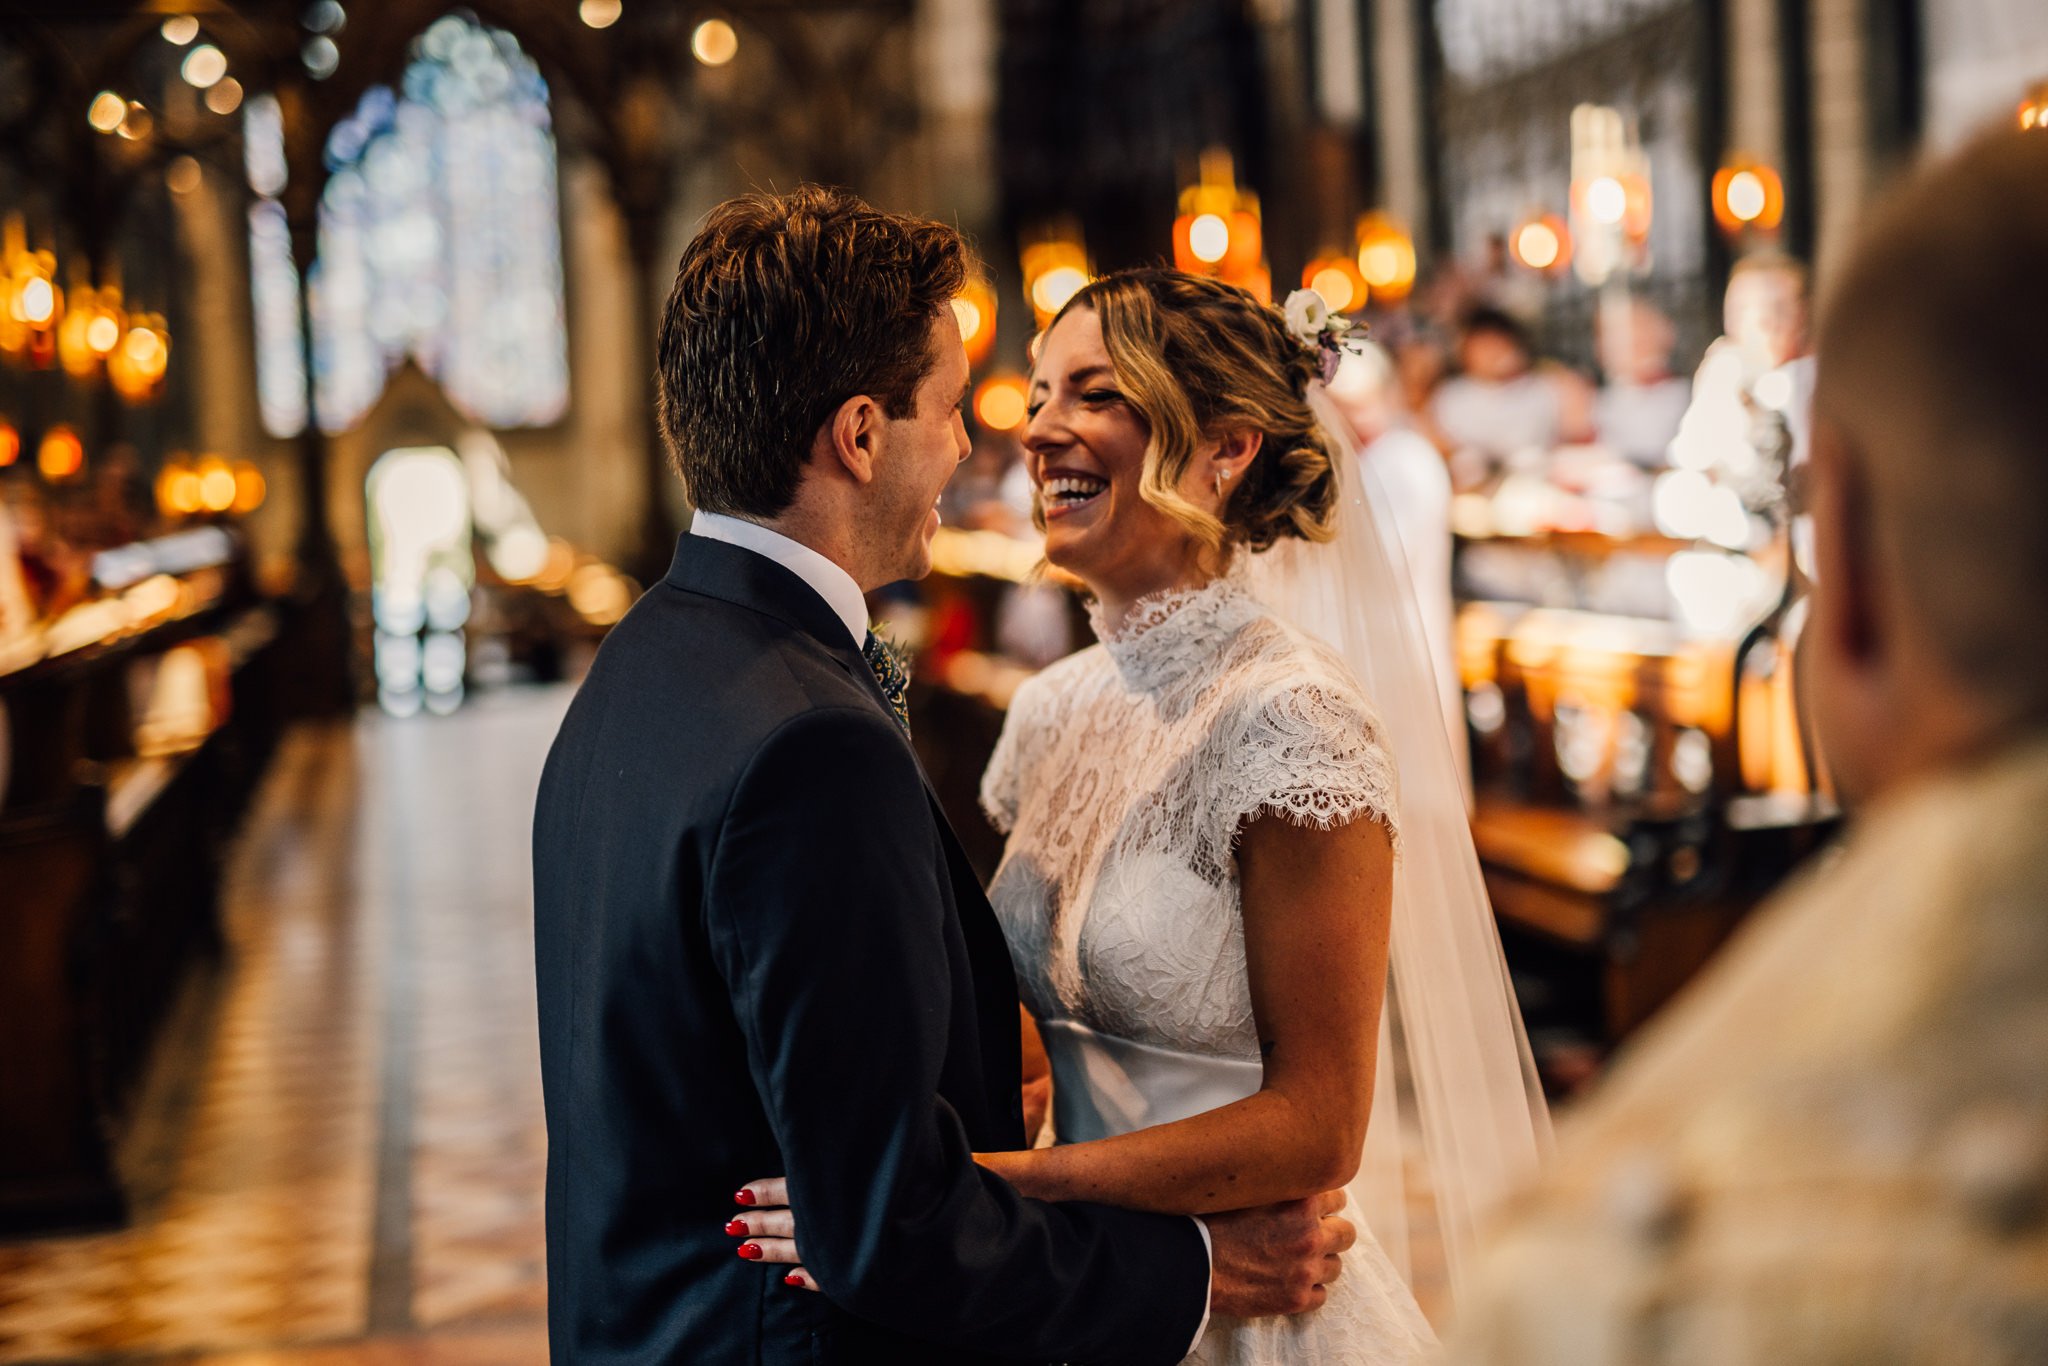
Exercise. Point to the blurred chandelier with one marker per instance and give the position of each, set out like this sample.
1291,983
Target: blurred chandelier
87,331
1218,231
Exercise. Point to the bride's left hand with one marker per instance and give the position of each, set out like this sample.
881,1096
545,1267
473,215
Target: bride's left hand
767,1224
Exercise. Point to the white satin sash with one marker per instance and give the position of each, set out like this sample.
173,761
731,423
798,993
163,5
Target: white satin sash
1104,1086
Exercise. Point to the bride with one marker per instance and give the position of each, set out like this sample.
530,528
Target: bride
1262,966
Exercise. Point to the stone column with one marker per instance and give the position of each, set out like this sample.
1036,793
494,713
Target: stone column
1841,125
320,673
1404,121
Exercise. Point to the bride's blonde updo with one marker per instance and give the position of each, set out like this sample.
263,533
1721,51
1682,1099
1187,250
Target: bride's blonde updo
1197,358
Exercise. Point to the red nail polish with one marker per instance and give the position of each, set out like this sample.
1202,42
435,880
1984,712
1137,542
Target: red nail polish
750,1251
745,1197
793,1279
737,1228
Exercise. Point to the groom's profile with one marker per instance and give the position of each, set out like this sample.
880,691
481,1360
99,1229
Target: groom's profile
760,950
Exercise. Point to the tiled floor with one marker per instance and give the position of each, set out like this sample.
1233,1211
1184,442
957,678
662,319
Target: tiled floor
348,1167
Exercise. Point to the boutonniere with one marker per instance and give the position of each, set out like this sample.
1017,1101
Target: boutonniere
893,650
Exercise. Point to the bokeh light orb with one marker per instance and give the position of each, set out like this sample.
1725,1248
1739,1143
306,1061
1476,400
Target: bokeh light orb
715,42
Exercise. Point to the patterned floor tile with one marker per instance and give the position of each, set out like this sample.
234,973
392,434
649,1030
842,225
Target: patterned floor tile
374,1023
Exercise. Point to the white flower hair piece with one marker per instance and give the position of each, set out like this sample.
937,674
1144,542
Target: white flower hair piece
1328,334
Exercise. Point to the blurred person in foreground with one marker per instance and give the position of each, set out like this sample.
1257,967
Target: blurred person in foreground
1834,1149
759,946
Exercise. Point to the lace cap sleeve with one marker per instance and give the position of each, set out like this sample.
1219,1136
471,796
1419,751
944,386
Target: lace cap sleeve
1310,749
1000,781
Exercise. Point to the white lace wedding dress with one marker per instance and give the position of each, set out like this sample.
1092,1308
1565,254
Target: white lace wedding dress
1122,776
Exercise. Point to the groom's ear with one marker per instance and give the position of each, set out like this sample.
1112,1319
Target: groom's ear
848,437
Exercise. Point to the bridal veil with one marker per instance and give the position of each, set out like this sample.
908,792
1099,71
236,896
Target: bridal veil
1458,1115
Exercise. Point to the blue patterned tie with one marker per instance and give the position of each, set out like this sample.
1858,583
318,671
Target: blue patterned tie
888,671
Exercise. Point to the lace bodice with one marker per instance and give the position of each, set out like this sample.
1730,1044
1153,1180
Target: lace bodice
1122,777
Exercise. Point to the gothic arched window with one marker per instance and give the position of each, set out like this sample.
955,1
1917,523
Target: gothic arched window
440,238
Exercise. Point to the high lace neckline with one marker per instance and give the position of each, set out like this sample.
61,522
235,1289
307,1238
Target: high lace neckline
1167,634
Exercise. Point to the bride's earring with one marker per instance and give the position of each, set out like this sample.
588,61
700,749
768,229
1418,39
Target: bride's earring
1221,475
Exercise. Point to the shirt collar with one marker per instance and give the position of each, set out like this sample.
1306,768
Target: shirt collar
827,579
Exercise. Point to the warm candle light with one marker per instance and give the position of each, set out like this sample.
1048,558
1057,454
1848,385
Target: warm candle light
37,301
1542,243
250,487
103,333
226,97
1000,404
203,66
975,310
1056,286
61,455
1335,276
1218,231
1606,200
216,485
1386,256
715,42
1209,238
1748,195
107,111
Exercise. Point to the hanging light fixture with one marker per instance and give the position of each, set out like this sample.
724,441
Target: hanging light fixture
216,484
1001,403
61,455
1748,196
1335,276
203,66
178,488
31,304
1219,231
1543,243
1055,270
250,488
92,328
974,308
714,42
2033,114
1386,256
106,111
1611,203
136,366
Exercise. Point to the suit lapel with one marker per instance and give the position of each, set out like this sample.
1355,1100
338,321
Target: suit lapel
740,576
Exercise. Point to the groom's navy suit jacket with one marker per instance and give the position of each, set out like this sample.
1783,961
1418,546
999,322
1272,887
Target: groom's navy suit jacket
761,952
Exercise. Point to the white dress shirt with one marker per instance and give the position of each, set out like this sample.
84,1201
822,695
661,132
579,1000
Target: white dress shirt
827,579
850,605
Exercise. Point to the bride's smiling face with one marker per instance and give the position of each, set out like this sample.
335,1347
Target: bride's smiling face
1085,449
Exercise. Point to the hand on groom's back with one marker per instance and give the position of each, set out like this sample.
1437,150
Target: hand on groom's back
1277,1259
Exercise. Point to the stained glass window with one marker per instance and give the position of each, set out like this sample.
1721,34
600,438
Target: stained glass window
440,238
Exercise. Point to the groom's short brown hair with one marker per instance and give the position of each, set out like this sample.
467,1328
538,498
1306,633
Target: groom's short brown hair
784,307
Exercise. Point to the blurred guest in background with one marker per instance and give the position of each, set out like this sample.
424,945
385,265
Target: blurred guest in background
1422,360
1642,402
1498,408
1418,494
1836,1148
1736,420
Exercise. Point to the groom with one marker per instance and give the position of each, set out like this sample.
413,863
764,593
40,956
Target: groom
760,949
